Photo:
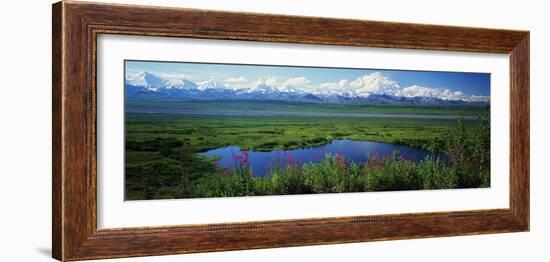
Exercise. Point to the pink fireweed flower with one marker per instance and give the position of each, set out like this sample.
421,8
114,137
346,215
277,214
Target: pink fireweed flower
452,160
341,163
458,151
476,161
245,158
404,163
455,158
235,157
289,158
374,161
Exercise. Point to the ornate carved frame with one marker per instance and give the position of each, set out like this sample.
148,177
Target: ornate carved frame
76,26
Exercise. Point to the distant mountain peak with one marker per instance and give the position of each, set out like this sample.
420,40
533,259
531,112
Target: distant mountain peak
374,87
209,84
146,80
374,83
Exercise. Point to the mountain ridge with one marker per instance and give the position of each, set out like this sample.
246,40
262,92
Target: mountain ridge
371,88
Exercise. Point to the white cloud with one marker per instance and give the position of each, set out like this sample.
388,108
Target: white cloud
439,93
414,91
272,81
363,86
236,82
374,83
297,82
332,87
173,76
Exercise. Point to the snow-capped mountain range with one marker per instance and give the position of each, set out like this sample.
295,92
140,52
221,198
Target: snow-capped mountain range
373,87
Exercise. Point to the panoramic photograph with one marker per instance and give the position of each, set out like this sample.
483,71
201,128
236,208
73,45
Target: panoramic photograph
201,130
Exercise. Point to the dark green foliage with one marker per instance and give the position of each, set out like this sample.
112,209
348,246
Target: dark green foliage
469,152
153,145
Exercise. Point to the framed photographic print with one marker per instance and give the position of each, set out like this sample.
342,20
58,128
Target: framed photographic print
182,130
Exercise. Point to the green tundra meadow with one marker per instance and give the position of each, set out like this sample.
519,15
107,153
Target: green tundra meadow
163,161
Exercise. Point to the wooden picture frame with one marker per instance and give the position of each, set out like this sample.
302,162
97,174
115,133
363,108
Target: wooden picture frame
76,26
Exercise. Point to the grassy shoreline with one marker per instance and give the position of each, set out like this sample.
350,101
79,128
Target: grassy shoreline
265,133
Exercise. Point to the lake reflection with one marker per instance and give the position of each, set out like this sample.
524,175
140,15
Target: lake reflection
356,151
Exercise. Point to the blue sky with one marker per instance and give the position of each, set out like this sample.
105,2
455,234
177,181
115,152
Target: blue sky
467,83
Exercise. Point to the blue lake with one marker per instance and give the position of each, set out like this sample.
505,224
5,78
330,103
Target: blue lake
356,151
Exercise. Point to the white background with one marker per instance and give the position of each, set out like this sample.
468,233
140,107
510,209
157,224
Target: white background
25,147
114,212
